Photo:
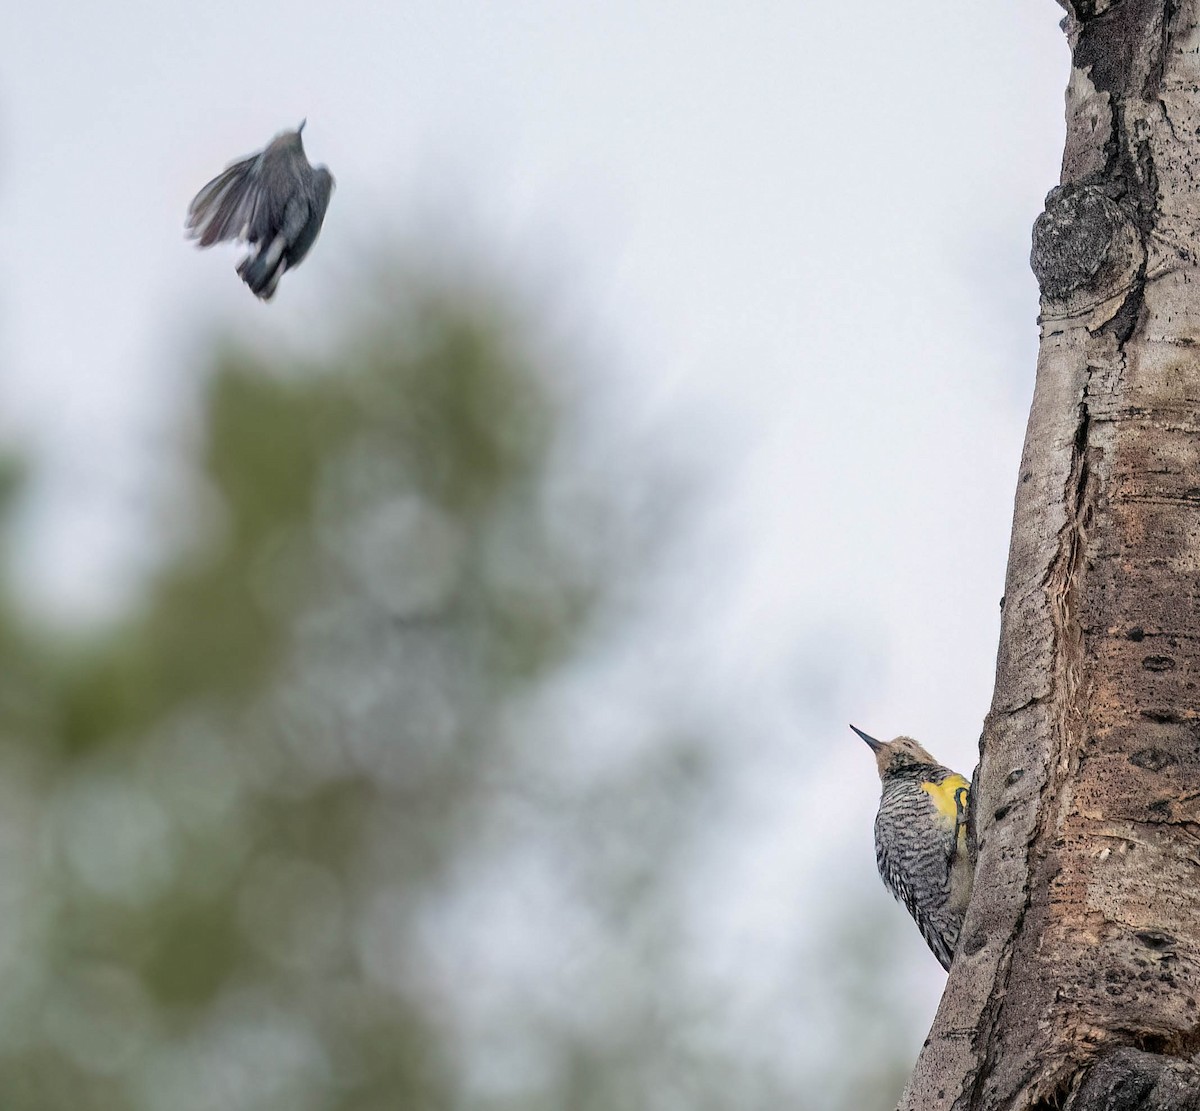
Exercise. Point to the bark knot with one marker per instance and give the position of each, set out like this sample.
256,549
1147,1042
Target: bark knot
1133,1080
1084,241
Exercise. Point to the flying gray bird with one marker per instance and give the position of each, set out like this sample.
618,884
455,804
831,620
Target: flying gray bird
273,200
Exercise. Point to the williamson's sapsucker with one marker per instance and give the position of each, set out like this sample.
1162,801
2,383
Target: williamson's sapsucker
273,200
921,839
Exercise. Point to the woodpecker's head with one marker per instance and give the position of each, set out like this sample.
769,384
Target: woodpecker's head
894,756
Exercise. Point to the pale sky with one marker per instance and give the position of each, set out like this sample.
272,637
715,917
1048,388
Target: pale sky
795,235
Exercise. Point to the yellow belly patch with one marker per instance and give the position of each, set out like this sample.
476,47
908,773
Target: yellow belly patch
944,796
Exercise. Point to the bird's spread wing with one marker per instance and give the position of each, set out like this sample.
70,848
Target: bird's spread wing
226,207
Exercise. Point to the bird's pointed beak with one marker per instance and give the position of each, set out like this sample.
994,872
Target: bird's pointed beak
302,123
875,745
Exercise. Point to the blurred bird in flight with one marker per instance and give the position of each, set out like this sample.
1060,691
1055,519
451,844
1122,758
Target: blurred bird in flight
273,200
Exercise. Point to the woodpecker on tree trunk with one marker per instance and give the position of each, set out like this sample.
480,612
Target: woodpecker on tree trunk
921,839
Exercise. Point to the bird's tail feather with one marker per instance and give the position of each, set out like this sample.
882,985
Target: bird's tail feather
262,270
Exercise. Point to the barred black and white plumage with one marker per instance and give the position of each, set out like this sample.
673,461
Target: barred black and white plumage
921,840
273,200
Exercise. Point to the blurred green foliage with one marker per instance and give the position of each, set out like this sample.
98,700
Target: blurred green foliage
293,835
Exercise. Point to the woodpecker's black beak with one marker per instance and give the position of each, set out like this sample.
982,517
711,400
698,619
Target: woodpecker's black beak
301,127
875,745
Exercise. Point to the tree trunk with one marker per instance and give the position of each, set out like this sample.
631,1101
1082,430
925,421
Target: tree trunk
1077,979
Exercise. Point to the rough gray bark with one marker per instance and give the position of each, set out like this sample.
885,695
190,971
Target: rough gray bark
1077,979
